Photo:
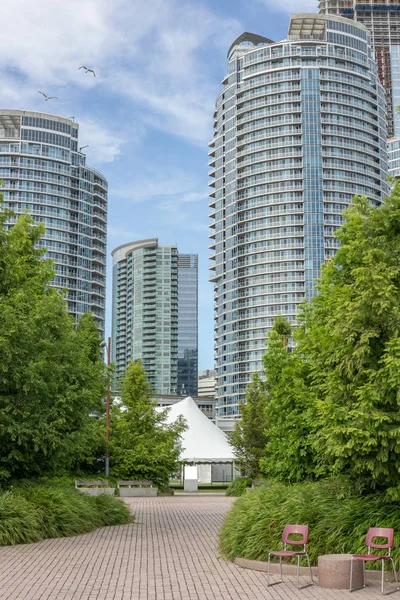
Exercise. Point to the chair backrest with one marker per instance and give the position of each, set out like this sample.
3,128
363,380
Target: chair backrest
380,532
295,529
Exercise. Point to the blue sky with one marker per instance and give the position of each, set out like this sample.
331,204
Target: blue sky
147,116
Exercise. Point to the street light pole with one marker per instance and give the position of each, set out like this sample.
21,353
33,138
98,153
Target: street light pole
108,409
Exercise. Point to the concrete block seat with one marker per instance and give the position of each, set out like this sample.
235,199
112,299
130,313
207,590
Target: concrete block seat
94,487
334,572
136,488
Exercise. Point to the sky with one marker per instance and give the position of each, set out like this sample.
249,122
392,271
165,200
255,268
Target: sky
147,115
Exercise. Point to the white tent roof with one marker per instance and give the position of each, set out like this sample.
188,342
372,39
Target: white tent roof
202,442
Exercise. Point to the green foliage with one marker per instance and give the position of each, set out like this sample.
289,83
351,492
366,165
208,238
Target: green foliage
20,521
288,454
143,445
337,517
238,486
112,511
283,328
334,401
51,373
34,512
350,337
248,438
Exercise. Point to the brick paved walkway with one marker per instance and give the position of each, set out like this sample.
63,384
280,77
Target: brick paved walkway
169,554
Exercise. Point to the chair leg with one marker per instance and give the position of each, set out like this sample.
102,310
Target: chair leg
395,573
383,576
309,566
269,571
298,570
363,563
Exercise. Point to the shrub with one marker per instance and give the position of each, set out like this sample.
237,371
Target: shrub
112,511
338,519
20,521
64,511
238,486
32,512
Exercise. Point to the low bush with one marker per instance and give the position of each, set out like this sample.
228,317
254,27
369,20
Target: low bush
338,519
30,512
112,511
238,486
20,521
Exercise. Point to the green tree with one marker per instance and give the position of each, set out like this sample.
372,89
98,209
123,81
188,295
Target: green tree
249,436
339,388
288,454
143,445
350,336
282,326
51,375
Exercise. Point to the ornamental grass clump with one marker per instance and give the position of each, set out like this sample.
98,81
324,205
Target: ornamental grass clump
64,511
238,486
31,512
338,519
20,521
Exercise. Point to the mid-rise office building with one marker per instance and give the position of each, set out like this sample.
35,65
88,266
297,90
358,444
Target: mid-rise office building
46,175
299,129
382,19
151,320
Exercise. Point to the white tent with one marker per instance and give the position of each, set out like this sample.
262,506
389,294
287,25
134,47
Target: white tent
203,442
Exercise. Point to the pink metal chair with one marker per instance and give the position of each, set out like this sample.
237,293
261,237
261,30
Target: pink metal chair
375,532
287,532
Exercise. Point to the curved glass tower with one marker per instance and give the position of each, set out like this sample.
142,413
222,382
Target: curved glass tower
46,175
299,128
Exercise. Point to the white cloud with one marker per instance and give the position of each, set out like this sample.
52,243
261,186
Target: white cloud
122,235
148,53
104,146
162,187
292,6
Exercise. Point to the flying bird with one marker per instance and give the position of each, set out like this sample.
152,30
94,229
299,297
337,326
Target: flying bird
46,97
87,70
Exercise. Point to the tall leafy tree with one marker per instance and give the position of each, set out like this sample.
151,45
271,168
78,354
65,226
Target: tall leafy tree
51,375
249,436
143,445
350,336
288,454
341,383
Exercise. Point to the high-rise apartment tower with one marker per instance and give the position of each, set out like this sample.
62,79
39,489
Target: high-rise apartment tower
382,19
154,313
299,128
46,175
187,324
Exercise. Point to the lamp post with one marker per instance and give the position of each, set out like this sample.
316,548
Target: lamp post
108,401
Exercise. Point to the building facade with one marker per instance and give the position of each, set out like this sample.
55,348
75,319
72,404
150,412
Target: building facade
382,19
394,157
206,383
46,175
299,128
146,308
187,324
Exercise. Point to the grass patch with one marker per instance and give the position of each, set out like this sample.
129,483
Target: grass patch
238,486
32,512
338,520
